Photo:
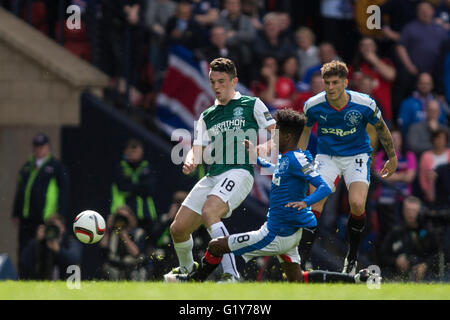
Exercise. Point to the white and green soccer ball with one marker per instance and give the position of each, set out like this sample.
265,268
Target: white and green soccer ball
89,227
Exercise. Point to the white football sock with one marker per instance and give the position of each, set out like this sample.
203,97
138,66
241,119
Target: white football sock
184,253
228,262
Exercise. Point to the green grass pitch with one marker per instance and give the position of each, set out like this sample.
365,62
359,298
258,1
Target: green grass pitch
90,290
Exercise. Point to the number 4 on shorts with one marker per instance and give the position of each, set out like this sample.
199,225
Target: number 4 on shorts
359,161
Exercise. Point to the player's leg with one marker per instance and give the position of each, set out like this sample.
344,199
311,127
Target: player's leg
290,260
248,245
185,223
214,254
357,194
187,220
310,234
293,271
213,211
357,178
319,276
231,188
295,274
329,172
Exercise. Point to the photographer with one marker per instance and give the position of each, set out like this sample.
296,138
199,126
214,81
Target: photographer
160,248
123,246
410,251
53,250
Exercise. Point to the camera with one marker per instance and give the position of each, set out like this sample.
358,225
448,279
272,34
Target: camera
52,232
120,222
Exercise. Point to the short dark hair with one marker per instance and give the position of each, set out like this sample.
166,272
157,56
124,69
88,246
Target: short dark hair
290,121
224,65
334,68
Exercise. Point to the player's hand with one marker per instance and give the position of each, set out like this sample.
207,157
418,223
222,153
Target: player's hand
188,167
389,168
298,204
251,150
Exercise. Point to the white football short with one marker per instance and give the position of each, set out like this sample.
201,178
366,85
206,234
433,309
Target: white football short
261,243
352,168
232,186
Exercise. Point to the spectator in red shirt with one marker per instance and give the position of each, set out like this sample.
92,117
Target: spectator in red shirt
367,62
273,89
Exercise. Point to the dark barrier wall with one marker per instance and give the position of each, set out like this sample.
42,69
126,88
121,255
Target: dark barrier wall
90,153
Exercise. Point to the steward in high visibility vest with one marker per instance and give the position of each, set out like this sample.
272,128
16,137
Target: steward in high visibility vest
42,190
134,185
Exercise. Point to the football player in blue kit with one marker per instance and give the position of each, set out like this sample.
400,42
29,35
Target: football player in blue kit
343,150
289,212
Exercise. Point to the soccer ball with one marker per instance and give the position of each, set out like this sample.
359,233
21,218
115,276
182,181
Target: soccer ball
89,227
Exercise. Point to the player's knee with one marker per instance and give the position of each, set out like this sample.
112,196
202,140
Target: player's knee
210,217
357,206
177,231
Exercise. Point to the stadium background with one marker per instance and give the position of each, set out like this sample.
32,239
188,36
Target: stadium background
63,82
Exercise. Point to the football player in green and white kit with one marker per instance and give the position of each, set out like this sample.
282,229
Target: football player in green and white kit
230,176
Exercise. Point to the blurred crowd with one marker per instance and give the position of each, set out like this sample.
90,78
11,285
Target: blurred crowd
401,58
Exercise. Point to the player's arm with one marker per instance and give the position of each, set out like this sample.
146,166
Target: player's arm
265,121
263,163
304,138
386,140
195,155
309,122
253,156
193,158
322,191
304,169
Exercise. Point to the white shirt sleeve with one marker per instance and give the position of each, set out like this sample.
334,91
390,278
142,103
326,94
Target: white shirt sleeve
262,114
201,136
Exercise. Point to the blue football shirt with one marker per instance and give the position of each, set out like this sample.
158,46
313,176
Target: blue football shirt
290,180
342,132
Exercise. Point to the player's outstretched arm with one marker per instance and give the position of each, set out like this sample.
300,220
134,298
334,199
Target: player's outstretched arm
304,138
253,156
386,140
322,191
266,148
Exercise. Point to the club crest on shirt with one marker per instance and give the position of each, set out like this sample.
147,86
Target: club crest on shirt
284,164
352,118
238,112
